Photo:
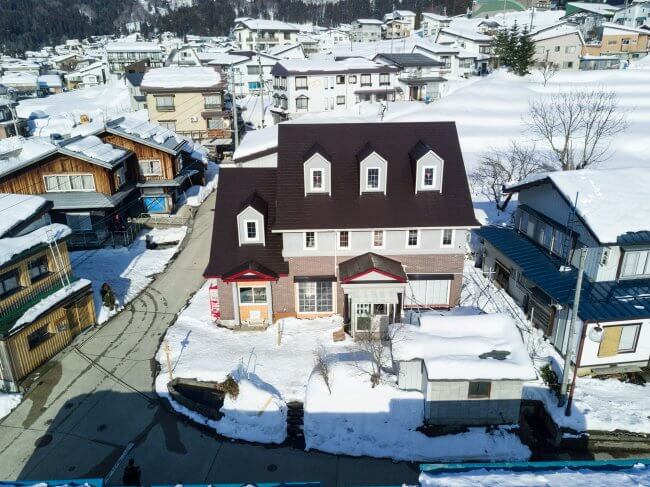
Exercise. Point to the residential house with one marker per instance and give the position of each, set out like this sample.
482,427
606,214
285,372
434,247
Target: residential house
364,220
331,37
302,86
42,306
419,75
432,23
560,45
396,29
263,34
251,71
457,62
626,43
50,84
470,369
92,75
287,51
406,16
589,16
122,54
133,82
188,101
309,43
366,30
167,164
9,124
474,42
24,85
634,14
561,215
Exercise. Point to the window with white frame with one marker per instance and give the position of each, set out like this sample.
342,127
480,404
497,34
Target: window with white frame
301,82
69,182
315,297
377,239
372,178
352,79
212,101
629,337
310,240
428,176
447,238
384,79
150,167
317,180
252,295
165,103
412,239
636,263
344,240
251,231
302,103
366,80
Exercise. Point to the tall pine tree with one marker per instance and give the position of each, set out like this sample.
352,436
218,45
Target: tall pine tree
524,54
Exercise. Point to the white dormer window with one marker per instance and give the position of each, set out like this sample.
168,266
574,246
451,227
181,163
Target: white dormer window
377,239
428,176
317,180
373,178
251,231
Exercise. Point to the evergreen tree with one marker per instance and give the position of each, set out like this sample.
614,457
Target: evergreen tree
501,46
524,54
418,17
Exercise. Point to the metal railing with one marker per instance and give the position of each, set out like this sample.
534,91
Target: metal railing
101,238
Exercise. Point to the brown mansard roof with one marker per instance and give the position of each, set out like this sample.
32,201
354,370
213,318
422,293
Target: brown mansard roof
401,207
237,186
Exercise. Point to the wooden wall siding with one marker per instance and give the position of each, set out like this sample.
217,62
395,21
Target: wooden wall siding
25,360
145,152
30,180
29,289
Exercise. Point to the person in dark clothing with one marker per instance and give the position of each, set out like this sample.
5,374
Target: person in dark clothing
131,474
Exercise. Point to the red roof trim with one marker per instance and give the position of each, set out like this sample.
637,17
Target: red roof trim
374,269
241,276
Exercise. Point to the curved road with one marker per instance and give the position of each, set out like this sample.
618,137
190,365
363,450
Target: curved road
92,407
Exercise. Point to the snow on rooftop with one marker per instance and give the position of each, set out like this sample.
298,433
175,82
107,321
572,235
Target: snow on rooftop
611,202
224,58
93,147
266,24
601,8
50,80
17,152
133,46
16,208
635,476
370,21
147,130
10,247
470,347
19,78
257,141
329,65
176,77
48,302
557,31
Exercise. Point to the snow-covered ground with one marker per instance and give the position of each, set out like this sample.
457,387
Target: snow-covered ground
195,195
128,270
8,402
598,404
638,475
355,419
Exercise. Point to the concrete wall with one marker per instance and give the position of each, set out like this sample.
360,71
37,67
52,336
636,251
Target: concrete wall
447,403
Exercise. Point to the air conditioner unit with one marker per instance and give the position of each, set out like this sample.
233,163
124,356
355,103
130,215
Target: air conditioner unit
194,119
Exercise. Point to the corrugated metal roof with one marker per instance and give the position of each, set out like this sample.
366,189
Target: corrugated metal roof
78,200
600,301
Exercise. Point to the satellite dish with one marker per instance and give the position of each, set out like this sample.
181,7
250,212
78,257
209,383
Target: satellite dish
596,334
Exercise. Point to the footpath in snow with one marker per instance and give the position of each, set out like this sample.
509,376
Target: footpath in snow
128,270
354,419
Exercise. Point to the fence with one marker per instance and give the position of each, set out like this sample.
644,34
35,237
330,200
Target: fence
95,239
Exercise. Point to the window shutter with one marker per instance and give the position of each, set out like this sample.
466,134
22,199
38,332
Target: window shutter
611,339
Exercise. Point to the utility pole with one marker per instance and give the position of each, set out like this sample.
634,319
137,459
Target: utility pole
259,64
235,120
571,347
532,16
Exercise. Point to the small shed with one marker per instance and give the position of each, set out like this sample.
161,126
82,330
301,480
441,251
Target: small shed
470,368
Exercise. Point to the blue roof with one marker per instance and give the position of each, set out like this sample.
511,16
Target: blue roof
600,301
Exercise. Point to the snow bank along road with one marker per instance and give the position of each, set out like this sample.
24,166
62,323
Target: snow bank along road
95,401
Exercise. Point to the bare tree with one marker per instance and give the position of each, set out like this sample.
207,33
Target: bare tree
548,70
376,347
322,366
499,167
576,126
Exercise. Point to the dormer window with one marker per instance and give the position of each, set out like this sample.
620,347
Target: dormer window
427,168
372,181
428,176
251,231
317,180
317,171
250,220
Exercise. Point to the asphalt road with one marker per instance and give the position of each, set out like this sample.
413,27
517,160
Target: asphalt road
92,407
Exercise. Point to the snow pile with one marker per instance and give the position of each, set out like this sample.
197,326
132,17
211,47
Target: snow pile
16,208
9,247
643,63
175,77
357,419
18,152
257,141
128,270
125,46
96,102
164,236
459,347
147,130
328,65
195,195
8,402
636,476
93,147
48,302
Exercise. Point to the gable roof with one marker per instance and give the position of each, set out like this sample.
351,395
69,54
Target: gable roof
369,262
236,185
400,207
147,133
407,60
91,149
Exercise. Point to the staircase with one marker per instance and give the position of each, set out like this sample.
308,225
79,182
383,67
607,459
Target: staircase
295,422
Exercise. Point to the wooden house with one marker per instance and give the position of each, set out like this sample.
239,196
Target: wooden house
42,307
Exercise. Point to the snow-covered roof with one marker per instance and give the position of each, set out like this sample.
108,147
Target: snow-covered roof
257,141
327,65
433,16
404,13
277,50
18,152
599,8
13,246
19,78
132,47
92,147
148,132
471,347
50,80
465,34
48,302
18,208
610,28
611,202
265,24
226,59
176,78
369,21
559,30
